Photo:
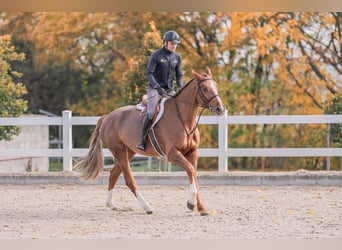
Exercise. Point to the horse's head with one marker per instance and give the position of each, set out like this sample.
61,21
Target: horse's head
207,93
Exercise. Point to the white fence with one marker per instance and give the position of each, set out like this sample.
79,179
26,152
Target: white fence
222,152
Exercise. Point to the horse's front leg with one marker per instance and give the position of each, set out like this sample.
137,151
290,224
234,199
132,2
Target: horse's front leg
193,159
193,191
189,163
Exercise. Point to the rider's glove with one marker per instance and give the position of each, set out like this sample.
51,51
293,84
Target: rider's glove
161,91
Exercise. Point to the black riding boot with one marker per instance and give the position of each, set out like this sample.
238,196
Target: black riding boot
146,124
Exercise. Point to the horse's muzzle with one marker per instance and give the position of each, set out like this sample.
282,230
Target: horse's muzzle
219,110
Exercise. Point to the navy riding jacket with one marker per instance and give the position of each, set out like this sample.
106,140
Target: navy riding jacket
162,68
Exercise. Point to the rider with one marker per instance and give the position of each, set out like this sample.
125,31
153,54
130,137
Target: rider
163,65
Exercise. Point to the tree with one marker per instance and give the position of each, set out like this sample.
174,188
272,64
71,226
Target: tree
266,63
135,85
11,92
274,69
334,107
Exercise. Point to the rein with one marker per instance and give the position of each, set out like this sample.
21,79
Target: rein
199,91
180,117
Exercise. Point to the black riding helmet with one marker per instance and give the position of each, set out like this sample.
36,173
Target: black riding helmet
171,36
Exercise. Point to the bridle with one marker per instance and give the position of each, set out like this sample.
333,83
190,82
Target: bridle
205,105
202,96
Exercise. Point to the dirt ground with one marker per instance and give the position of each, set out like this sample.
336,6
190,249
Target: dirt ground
74,211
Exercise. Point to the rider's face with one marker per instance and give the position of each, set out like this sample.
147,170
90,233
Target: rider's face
171,46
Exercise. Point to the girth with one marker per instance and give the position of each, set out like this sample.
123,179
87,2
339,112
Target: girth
157,116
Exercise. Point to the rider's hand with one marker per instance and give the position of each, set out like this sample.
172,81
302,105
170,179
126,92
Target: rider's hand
172,93
162,91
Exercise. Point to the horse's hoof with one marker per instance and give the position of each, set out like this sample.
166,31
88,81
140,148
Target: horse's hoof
149,212
205,213
190,206
112,206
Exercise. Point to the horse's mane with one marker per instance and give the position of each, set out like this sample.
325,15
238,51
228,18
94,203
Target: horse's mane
184,87
187,84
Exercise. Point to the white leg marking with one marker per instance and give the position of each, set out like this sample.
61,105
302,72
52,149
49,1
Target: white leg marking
110,202
192,193
144,203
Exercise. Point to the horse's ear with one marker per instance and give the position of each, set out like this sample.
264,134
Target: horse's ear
196,75
208,71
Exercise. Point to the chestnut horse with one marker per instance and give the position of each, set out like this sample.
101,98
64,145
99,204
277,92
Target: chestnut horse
176,131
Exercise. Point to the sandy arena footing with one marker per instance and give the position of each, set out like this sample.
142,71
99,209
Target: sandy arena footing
72,211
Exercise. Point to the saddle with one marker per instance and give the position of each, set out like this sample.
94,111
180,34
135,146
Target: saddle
158,113
156,117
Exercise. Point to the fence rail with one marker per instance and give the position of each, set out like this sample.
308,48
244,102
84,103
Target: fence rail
222,152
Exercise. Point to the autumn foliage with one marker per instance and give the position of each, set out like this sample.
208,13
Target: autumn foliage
266,63
11,91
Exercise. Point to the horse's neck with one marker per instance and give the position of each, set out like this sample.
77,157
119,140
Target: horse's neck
187,107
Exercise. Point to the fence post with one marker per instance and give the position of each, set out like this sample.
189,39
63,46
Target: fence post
223,143
328,158
67,140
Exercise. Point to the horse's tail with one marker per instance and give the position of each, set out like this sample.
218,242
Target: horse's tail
91,166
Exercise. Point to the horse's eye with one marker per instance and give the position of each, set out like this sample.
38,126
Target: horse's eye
205,89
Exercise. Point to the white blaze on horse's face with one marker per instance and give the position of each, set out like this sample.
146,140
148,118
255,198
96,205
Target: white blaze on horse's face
214,101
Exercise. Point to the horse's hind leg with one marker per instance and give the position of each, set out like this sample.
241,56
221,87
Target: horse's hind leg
113,178
131,183
123,159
